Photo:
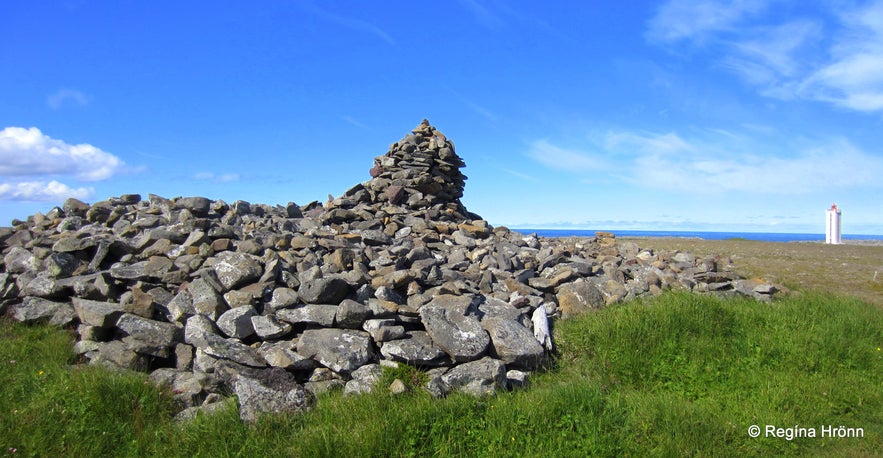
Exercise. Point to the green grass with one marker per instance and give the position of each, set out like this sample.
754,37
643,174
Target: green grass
679,375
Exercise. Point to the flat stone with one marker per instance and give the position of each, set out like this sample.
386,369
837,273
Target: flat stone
460,336
35,310
95,313
416,349
315,314
478,378
155,332
268,327
341,350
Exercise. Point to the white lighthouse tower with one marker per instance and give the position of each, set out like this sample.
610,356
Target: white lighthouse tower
832,225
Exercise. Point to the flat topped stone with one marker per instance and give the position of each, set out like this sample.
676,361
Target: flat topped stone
460,336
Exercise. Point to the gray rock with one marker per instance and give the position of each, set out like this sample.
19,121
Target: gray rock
43,285
206,300
312,314
199,206
61,265
351,314
35,309
363,379
514,344
134,272
416,349
235,269
180,308
237,322
324,290
268,327
270,391
95,313
152,331
283,297
232,350
284,354
578,296
20,260
478,378
460,336
340,350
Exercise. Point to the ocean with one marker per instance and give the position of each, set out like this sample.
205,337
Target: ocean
706,235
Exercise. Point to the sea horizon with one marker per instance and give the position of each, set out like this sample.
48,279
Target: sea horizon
704,235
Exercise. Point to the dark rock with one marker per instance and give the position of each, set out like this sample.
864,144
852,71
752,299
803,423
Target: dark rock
270,391
324,290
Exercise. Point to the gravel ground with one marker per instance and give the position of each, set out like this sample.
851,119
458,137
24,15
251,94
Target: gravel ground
854,268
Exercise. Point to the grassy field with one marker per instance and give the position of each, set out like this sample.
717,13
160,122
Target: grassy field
853,270
679,375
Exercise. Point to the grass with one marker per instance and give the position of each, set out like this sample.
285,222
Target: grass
678,375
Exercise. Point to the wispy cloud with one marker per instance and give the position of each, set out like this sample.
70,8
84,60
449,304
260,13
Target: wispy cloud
840,62
351,23
521,175
483,14
559,158
63,97
353,121
478,109
696,19
217,178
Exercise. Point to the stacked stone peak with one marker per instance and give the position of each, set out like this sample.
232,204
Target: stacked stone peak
420,172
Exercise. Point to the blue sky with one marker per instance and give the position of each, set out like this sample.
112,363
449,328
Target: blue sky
746,115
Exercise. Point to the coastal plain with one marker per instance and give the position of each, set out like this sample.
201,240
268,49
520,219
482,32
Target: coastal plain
852,269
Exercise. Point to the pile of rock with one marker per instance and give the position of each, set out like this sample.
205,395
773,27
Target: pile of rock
276,303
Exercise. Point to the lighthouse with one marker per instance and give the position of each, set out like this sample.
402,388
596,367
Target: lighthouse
832,225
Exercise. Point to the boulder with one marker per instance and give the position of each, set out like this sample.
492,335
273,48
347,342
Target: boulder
514,344
270,390
460,336
341,350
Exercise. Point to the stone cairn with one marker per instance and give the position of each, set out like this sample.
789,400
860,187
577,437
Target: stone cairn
277,303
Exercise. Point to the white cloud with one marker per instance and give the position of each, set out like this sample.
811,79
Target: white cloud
694,19
62,96
28,152
723,163
41,191
564,159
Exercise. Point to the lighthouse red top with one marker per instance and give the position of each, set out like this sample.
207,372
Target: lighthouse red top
834,207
